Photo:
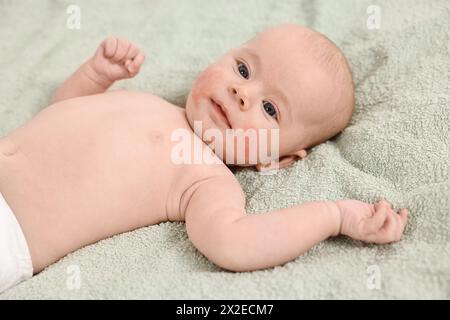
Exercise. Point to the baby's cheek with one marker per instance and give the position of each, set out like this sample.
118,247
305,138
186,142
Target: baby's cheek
249,140
210,80
263,143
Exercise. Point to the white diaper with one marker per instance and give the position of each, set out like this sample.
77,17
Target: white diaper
15,259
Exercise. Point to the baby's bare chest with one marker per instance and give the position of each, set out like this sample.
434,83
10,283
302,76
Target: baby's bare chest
100,137
101,155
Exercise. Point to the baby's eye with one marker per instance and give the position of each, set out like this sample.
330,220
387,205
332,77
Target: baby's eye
243,70
270,109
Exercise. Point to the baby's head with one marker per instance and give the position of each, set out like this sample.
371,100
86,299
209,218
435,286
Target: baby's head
289,78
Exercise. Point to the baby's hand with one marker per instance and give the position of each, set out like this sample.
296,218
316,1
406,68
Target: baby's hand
117,59
376,223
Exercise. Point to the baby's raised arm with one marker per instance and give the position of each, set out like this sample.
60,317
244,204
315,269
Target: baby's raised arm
219,227
115,59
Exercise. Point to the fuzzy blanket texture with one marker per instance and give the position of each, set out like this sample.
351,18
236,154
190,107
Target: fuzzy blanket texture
397,146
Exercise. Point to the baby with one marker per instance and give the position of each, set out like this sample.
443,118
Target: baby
95,164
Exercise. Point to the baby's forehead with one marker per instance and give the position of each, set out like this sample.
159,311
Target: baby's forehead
279,59
282,46
292,50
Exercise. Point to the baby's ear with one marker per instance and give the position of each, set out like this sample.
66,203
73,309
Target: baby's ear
300,154
284,161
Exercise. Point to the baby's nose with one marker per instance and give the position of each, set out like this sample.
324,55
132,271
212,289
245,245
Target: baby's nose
240,95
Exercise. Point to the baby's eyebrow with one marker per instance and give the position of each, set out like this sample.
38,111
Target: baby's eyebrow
255,57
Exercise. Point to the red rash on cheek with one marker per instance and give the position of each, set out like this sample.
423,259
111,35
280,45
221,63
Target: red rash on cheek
209,81
209,74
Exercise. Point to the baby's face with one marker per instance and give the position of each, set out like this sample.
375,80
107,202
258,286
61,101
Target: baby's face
271,82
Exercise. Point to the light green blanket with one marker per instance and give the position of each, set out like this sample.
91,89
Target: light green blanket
397,146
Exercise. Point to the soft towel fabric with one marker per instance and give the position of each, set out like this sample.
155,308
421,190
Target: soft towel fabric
15,259
396,147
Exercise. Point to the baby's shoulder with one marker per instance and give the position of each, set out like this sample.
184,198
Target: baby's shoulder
215,193
144,105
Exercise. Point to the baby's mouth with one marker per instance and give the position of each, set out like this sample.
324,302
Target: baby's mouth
218,109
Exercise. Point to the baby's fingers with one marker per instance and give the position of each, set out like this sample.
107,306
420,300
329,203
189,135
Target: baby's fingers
123,46
136,63
375,223
109,46
403,220
132,53
392,229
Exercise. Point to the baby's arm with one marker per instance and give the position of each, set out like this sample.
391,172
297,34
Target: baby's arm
115,59
218,226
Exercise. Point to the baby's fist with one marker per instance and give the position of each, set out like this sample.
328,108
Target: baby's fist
376,223
117,59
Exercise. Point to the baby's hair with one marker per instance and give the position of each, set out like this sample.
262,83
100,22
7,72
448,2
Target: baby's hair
331,58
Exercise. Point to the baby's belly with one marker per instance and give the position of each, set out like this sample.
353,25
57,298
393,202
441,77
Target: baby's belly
72,180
